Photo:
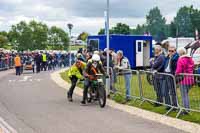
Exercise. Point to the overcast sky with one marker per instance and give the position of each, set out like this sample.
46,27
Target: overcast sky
85,15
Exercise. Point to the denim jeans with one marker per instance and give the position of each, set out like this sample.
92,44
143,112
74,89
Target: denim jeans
127,78
169,90
1,64
184,94
18,70
159,88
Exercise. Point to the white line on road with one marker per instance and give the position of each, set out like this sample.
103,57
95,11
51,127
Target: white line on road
5,127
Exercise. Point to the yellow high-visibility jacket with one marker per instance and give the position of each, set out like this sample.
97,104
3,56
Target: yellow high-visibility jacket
74,70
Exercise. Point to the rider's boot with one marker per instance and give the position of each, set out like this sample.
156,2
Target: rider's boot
69,97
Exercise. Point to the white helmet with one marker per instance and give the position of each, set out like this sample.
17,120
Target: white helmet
96,57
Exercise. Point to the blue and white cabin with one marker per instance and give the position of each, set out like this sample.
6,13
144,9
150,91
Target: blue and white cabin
138,49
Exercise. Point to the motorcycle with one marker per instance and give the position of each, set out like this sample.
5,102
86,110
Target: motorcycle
97,91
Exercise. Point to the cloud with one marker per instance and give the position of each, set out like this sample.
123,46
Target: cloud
86,15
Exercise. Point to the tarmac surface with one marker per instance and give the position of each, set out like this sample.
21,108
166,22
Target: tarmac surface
33,103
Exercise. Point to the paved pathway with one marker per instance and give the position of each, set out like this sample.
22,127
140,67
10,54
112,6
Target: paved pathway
33,103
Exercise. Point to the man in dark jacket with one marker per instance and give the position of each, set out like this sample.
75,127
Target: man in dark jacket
158,65
170,68
38,61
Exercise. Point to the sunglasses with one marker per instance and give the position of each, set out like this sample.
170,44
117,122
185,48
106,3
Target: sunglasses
171,50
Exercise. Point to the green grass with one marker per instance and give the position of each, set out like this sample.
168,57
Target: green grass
148,92
76,47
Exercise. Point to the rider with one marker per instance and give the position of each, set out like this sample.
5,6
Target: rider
94,66
75,73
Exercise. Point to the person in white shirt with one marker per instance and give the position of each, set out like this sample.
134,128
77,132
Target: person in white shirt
124,66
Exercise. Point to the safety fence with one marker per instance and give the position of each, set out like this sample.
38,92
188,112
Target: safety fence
180,93
6,63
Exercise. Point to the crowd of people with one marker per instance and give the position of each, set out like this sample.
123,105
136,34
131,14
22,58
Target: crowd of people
90,63
40,60
6,59
173,62
86,63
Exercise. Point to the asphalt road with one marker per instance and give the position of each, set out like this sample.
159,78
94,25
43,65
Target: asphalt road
33,103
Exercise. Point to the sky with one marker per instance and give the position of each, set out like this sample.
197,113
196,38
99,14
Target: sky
85,15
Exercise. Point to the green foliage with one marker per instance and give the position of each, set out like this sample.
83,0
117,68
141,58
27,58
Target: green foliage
183,22
156,24
36,35
58,39
120,28
83,36
140,30
3,41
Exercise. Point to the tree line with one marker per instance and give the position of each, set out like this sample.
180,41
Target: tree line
34,35
184,24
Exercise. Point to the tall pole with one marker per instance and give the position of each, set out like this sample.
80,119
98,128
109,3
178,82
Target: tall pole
177,37
70,26
107,42
70,56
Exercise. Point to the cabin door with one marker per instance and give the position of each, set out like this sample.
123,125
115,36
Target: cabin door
139,53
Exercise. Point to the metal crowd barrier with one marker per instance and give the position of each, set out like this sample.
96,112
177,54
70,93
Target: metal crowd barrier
188,92
159,89
181,93
120,85
6,64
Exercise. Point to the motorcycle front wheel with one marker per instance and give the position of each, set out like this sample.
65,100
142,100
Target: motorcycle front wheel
102,96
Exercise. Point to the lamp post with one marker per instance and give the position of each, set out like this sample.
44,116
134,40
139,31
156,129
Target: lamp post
70,26
177,37
107,43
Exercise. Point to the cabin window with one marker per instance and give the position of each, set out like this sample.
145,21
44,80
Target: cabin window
93,45
139,46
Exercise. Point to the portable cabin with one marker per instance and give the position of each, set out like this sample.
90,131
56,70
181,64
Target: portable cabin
138,49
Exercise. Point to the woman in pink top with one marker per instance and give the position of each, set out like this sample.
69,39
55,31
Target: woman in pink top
185,65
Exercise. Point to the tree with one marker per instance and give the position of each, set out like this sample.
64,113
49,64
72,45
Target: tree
140,30
121,28
172,30
20,36
102,31
195,18
39,35
83,36
3,41
58,39
156,24
183,22
30,36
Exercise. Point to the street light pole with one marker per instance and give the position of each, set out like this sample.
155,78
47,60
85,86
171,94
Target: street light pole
107,43
70,26
177,37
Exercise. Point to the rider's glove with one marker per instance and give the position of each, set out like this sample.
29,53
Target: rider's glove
81,79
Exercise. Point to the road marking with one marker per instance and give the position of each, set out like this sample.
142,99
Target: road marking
5,127
25,78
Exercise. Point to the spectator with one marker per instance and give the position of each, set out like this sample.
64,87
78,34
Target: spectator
44,61
38,61
17,64
185,65
170,68
158,65
124,67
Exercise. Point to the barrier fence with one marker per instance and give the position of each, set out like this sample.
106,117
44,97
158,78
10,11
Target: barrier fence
181,93
6,64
